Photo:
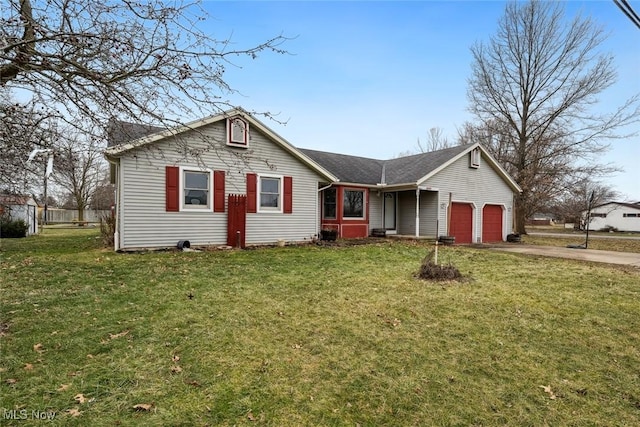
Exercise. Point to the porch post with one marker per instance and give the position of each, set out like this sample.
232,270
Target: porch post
417,212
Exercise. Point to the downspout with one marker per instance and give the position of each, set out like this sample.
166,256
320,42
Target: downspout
116,233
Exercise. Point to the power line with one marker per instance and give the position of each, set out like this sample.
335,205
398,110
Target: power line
625,7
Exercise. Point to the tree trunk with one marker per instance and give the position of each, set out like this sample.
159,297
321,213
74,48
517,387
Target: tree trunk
80,214
521,214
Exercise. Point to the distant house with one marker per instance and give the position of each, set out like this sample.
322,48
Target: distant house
230,180
620,215
20,207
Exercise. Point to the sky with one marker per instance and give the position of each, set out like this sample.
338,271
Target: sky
369,78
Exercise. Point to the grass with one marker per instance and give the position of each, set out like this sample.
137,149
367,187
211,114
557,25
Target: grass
313,336
603,244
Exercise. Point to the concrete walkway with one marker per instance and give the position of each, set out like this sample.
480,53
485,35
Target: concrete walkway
592,255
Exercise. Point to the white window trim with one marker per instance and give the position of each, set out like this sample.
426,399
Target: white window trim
364,205
232,143
474,158
187,208
261,209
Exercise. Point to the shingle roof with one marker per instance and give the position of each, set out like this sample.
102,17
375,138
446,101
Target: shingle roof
119,132
403,170
348,168
14,199
352,169
635,205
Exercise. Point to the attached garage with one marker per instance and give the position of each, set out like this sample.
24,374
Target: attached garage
492,223
462,222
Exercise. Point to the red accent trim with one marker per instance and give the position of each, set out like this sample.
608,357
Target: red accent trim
288,195
172,193
237,220
252,199
348,227
218,191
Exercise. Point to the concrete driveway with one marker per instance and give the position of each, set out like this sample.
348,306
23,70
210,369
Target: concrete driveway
591,255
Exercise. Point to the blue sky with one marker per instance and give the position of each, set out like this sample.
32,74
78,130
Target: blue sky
370,78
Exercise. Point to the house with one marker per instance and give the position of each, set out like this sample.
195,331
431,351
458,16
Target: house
20,207
229,179
619,215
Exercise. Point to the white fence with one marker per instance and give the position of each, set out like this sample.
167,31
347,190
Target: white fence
55,215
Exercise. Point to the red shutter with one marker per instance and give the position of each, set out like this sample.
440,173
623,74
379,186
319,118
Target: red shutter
172,195
288,195
252,197
218,191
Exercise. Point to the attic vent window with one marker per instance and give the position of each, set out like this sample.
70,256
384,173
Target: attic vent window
237,132
474,160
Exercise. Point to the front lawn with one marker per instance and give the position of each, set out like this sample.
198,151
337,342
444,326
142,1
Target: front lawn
312,336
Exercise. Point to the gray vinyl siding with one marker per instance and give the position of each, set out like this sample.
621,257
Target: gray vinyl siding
406,219
407,213
375,210
428,213
146,224
477,186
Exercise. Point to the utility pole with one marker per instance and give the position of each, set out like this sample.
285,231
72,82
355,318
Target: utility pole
48,170
588,221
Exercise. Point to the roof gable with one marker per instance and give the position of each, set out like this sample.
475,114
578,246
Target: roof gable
146,135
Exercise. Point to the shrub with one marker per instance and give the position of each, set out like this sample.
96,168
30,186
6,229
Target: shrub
431,271
107,229
13,228
609,229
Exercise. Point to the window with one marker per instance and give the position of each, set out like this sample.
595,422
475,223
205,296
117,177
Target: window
598,215
270,193
631,215
329,203
237,132
474,161
196,190
353,204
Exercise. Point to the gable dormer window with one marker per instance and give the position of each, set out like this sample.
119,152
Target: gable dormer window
237,132
474,158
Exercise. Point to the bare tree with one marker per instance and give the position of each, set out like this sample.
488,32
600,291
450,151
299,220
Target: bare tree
577,199
435,141
23,128
78,167
533,86
145,62
103,198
